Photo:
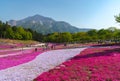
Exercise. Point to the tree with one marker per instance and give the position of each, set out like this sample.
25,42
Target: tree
65,37
92,32
101,34
28,36
9,33
117,18
18,36
0,23
112,29
93,35
51,37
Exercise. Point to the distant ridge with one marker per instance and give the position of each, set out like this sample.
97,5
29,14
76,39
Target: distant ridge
46,25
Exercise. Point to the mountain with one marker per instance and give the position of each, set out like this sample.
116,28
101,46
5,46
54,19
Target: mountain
45,25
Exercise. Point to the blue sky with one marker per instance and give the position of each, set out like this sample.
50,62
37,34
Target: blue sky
81,13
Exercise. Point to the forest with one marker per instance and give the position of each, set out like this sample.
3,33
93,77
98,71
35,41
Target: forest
19,33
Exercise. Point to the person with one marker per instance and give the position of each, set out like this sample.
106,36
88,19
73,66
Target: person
65,44
52,47
46,46
35,49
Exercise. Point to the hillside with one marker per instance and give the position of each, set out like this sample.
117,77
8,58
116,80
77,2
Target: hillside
45,25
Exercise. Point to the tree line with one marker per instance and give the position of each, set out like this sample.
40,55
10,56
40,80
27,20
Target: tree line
112,34
20,33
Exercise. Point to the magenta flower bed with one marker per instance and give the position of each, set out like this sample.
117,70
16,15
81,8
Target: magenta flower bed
10,61
93,64
4,52
5,46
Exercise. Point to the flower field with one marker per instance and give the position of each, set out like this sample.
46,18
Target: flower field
92,64
32,66
19,57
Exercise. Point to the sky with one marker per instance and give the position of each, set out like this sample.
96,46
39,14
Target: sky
95,14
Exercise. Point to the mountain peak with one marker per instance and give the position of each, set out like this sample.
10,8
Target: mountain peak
37,15
44,25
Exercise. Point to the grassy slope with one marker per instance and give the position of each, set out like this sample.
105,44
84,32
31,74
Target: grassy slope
10,41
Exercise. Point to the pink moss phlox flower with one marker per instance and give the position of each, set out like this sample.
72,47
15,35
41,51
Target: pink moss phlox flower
23,57
92,64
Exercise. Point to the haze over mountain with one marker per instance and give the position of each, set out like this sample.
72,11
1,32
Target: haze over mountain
45,25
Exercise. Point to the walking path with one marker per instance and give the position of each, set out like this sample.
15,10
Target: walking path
42,63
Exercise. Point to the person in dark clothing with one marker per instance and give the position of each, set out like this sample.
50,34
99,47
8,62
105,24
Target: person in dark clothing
35,49
52,47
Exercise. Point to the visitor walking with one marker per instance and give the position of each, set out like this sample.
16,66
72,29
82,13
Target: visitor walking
35,49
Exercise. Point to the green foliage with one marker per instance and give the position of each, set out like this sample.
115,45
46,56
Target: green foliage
9,33
6,31
18,36
59,37
117,18
91,36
